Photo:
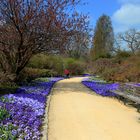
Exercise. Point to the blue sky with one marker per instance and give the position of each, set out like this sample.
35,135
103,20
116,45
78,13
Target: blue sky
125,14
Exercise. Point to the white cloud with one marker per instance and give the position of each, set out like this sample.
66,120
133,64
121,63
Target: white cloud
128,14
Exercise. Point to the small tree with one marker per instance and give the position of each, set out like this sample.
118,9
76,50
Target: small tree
103,38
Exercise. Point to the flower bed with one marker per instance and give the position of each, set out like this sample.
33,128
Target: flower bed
101,88
21,114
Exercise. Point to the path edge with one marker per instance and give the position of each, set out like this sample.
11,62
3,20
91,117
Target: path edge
45,126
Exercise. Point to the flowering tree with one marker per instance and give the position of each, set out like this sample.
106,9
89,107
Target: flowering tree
28,27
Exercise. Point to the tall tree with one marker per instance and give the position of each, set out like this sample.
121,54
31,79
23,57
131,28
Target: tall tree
28,27
103,38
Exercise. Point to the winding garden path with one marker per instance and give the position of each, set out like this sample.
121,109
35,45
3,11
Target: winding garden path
76,113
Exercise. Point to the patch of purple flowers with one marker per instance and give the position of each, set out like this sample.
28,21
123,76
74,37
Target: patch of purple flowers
138,84
86,74
26,108
101,88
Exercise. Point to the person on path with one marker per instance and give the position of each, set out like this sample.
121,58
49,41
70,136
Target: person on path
66,72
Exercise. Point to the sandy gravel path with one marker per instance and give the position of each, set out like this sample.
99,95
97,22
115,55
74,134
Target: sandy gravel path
76,113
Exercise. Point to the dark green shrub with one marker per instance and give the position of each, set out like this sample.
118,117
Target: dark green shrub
75,67
54,63
38,61
7,87
121,56
32,73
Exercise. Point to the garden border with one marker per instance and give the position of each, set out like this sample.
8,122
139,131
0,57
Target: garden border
45,126
124,97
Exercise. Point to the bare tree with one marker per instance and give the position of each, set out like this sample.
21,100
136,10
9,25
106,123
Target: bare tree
132,39
117,44
78,45
28,27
